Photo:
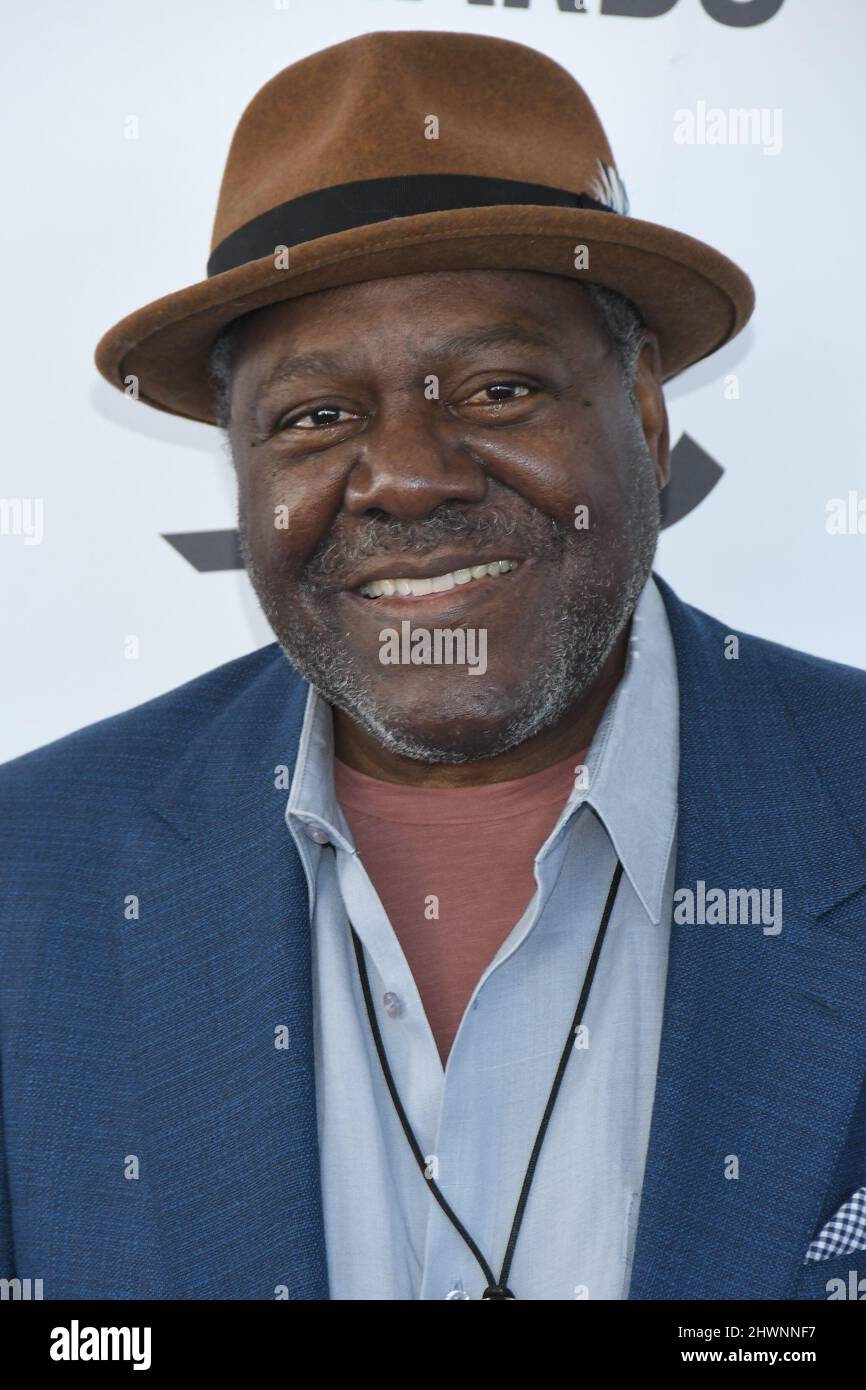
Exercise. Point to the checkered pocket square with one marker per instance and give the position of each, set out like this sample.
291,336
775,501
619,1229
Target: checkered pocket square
844,1232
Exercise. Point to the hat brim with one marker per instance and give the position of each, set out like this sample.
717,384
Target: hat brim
690,295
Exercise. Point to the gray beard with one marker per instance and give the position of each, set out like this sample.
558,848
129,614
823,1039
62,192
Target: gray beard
582,635
581,642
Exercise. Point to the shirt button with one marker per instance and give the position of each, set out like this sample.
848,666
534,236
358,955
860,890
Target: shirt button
458,1292
393,1004
315,832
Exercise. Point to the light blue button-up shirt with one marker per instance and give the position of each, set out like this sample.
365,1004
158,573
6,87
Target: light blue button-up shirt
477,1119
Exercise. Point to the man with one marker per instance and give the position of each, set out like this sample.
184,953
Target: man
507,940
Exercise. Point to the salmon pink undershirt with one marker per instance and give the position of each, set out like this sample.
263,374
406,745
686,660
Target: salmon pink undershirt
473,849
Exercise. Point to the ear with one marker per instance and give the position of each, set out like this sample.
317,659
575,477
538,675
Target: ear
650,398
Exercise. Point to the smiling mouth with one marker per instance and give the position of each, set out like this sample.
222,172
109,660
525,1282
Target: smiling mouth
435,583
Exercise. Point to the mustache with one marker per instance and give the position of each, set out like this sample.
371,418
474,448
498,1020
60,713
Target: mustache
340,554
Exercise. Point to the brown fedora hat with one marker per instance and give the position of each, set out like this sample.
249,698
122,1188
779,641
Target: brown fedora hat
402,152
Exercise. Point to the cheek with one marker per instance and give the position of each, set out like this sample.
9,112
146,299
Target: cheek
285,516
561,469
598,470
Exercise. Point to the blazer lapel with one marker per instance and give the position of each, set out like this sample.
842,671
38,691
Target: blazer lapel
763,1047
217,972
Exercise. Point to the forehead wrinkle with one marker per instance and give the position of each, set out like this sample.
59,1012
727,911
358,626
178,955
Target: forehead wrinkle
295,365
492,335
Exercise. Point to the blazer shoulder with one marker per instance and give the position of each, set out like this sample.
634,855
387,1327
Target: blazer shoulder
78,813
128,750
805,711
814,677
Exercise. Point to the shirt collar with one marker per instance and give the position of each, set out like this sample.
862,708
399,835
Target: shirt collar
632,764
312,800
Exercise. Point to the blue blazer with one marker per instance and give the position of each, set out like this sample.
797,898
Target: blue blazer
155,932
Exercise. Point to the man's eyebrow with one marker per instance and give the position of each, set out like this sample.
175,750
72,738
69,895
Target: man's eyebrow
295,365
493,335
301,364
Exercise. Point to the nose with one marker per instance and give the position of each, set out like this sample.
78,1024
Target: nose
411,461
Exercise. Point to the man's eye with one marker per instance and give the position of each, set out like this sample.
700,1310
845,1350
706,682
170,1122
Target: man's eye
319,418
500,393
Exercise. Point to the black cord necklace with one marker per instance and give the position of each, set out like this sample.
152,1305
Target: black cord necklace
497,1289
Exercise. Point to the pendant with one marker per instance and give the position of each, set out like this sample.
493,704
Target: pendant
495,1292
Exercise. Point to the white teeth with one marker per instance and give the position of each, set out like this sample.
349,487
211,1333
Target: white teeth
445,581
438,583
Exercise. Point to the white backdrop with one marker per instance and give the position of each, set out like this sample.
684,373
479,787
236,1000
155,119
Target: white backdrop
97,224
